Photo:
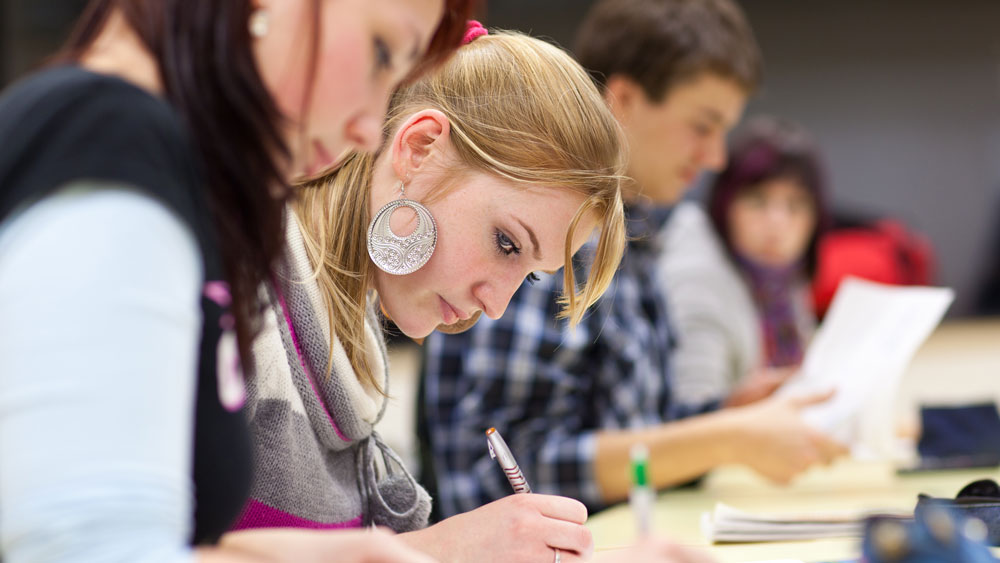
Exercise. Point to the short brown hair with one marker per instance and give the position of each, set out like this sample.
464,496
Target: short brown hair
660,43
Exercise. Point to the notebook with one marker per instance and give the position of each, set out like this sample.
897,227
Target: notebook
727,524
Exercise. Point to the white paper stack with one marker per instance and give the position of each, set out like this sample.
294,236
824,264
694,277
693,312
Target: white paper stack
729,524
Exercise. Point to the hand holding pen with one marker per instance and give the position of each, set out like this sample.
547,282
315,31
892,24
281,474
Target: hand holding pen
648,550
500,452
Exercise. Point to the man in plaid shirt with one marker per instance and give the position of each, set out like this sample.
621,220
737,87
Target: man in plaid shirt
572,402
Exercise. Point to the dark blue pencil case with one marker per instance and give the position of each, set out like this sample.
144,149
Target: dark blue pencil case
936,534
979,499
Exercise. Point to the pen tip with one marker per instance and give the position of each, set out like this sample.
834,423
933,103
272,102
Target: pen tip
490,431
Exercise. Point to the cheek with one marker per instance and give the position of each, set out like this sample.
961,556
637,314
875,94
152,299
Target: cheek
448,269
675,134
289,95
458,256
803,229
682,151
648,140
743,229
405,301
342,85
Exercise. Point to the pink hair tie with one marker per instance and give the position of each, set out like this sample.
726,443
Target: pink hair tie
473,29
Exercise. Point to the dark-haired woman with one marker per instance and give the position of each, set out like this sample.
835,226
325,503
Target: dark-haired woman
739,275
142,181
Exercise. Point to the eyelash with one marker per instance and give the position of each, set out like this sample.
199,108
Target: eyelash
505,246
383,59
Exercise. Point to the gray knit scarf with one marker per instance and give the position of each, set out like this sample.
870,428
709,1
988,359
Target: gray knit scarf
318,461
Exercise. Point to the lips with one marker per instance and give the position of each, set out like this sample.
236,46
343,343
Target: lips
450,314
460,326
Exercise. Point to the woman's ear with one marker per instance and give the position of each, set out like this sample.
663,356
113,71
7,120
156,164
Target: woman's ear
419,137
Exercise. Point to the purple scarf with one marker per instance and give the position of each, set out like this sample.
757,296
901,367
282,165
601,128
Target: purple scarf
774,291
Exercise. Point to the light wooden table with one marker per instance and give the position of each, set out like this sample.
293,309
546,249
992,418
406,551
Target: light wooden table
959,363
846,485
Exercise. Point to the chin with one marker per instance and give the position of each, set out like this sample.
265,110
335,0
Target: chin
776,261
423,331
415,332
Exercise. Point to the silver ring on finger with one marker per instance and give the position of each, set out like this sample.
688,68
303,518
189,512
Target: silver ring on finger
558,558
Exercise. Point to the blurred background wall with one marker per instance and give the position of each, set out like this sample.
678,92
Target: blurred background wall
903,96
32,29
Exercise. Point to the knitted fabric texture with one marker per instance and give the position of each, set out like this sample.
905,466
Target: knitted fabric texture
318,461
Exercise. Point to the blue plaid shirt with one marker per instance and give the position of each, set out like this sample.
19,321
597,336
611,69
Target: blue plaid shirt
549,389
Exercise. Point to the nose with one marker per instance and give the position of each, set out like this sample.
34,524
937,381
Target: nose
364,132
715,153
495,293
778,214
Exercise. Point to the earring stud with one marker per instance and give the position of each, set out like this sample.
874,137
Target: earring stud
260,23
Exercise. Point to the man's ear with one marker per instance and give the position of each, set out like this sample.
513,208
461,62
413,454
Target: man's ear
419,137
623,95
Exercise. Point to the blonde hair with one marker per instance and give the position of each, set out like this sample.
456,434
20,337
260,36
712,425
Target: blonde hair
520,109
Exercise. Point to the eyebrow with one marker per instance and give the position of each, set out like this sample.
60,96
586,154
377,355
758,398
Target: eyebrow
713,114
534,241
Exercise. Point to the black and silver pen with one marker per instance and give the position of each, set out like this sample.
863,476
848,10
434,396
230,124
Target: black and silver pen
500,452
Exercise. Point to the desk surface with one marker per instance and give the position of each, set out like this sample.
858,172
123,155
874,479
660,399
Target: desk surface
959,363
846,485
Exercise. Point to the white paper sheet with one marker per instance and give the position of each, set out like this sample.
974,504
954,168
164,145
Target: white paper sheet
867,338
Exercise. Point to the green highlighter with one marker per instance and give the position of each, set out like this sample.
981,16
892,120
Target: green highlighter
640,496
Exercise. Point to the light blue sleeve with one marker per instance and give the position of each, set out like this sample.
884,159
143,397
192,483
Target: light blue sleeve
99,328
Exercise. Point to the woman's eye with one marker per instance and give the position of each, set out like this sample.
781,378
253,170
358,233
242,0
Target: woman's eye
532,278
506,246
383,57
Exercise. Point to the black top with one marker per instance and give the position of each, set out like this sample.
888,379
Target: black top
67,124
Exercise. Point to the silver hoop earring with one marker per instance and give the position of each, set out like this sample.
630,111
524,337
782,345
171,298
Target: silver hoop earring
398,255
260,23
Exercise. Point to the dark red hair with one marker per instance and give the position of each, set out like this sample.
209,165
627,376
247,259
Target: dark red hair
203,51
448,35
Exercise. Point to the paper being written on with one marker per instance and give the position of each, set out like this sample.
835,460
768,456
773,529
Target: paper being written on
862,348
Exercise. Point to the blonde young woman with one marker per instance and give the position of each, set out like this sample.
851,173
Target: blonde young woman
500,165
